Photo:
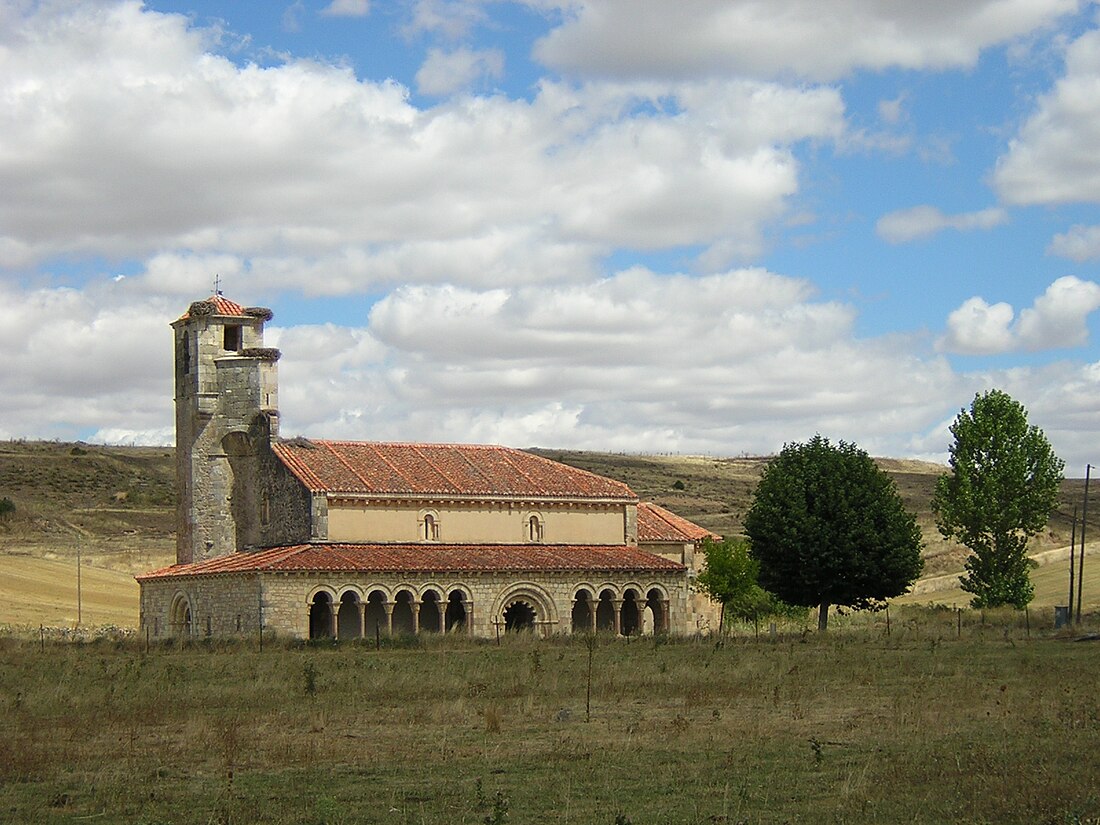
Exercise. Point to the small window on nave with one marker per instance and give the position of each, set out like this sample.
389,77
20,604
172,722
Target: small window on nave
534,528
430,528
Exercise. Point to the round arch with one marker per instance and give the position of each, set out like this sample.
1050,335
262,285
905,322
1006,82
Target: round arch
343,590
311,595
181,616
540,601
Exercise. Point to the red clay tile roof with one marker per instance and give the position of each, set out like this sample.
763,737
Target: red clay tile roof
655,523
222,306
427,558
465,470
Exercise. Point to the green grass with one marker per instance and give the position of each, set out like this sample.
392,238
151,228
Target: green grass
920,725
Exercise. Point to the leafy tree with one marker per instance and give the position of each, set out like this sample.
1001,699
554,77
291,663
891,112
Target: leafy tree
1002,487
7,507
730,578
828,527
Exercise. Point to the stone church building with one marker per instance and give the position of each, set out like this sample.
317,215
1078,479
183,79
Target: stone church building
314,538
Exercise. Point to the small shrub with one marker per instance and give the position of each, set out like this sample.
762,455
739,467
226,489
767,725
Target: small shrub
7,507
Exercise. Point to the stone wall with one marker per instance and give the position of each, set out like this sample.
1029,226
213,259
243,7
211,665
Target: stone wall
224,605
230,603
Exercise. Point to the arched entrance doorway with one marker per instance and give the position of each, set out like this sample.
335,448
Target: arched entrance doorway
519,616
179,619
320,616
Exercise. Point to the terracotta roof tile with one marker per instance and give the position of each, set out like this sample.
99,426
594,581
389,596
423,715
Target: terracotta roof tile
427,558
467,470
222,306
655,523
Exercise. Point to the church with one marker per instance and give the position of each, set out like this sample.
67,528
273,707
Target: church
311,538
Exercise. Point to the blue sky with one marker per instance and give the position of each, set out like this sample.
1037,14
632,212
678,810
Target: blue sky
702,226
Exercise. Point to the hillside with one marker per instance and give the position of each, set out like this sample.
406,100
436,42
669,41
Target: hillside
116,506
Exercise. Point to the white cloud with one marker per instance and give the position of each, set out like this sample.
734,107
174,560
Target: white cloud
1056,320
892,111
108,107
922,221
1053,157
1080,243
653,38
1058,316
347,8
979,328
447,72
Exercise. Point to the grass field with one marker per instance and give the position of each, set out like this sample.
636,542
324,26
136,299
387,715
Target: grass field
857,726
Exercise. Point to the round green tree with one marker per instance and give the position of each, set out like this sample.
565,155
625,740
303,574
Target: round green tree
829,528
1002,487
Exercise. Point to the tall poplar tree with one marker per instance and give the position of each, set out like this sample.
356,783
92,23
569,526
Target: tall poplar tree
1000,492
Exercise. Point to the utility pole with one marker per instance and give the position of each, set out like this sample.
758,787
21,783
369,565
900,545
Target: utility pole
1081,561
79,599
1072,558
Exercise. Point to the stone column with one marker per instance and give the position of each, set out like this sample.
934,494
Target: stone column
441,608
469,617
362,619
335,620
388,605
618,605
666,617
592,605
415,605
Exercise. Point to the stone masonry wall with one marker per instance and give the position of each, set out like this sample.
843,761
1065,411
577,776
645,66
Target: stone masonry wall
224,605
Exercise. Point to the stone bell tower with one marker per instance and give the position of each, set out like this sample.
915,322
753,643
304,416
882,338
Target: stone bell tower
227,411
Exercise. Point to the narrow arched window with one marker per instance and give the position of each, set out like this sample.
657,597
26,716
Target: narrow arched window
534,528
431,528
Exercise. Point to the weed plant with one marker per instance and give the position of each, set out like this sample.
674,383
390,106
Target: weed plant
922,725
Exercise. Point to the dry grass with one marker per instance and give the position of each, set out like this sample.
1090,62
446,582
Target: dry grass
857,727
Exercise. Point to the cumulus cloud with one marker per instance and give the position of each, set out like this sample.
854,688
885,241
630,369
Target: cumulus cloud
979,328
1056,320
923,221
619,38
347,8
1053,157
447,72
85,361
108,107
636,361
1080,243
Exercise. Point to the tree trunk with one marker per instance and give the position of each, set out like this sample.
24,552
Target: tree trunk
823,617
